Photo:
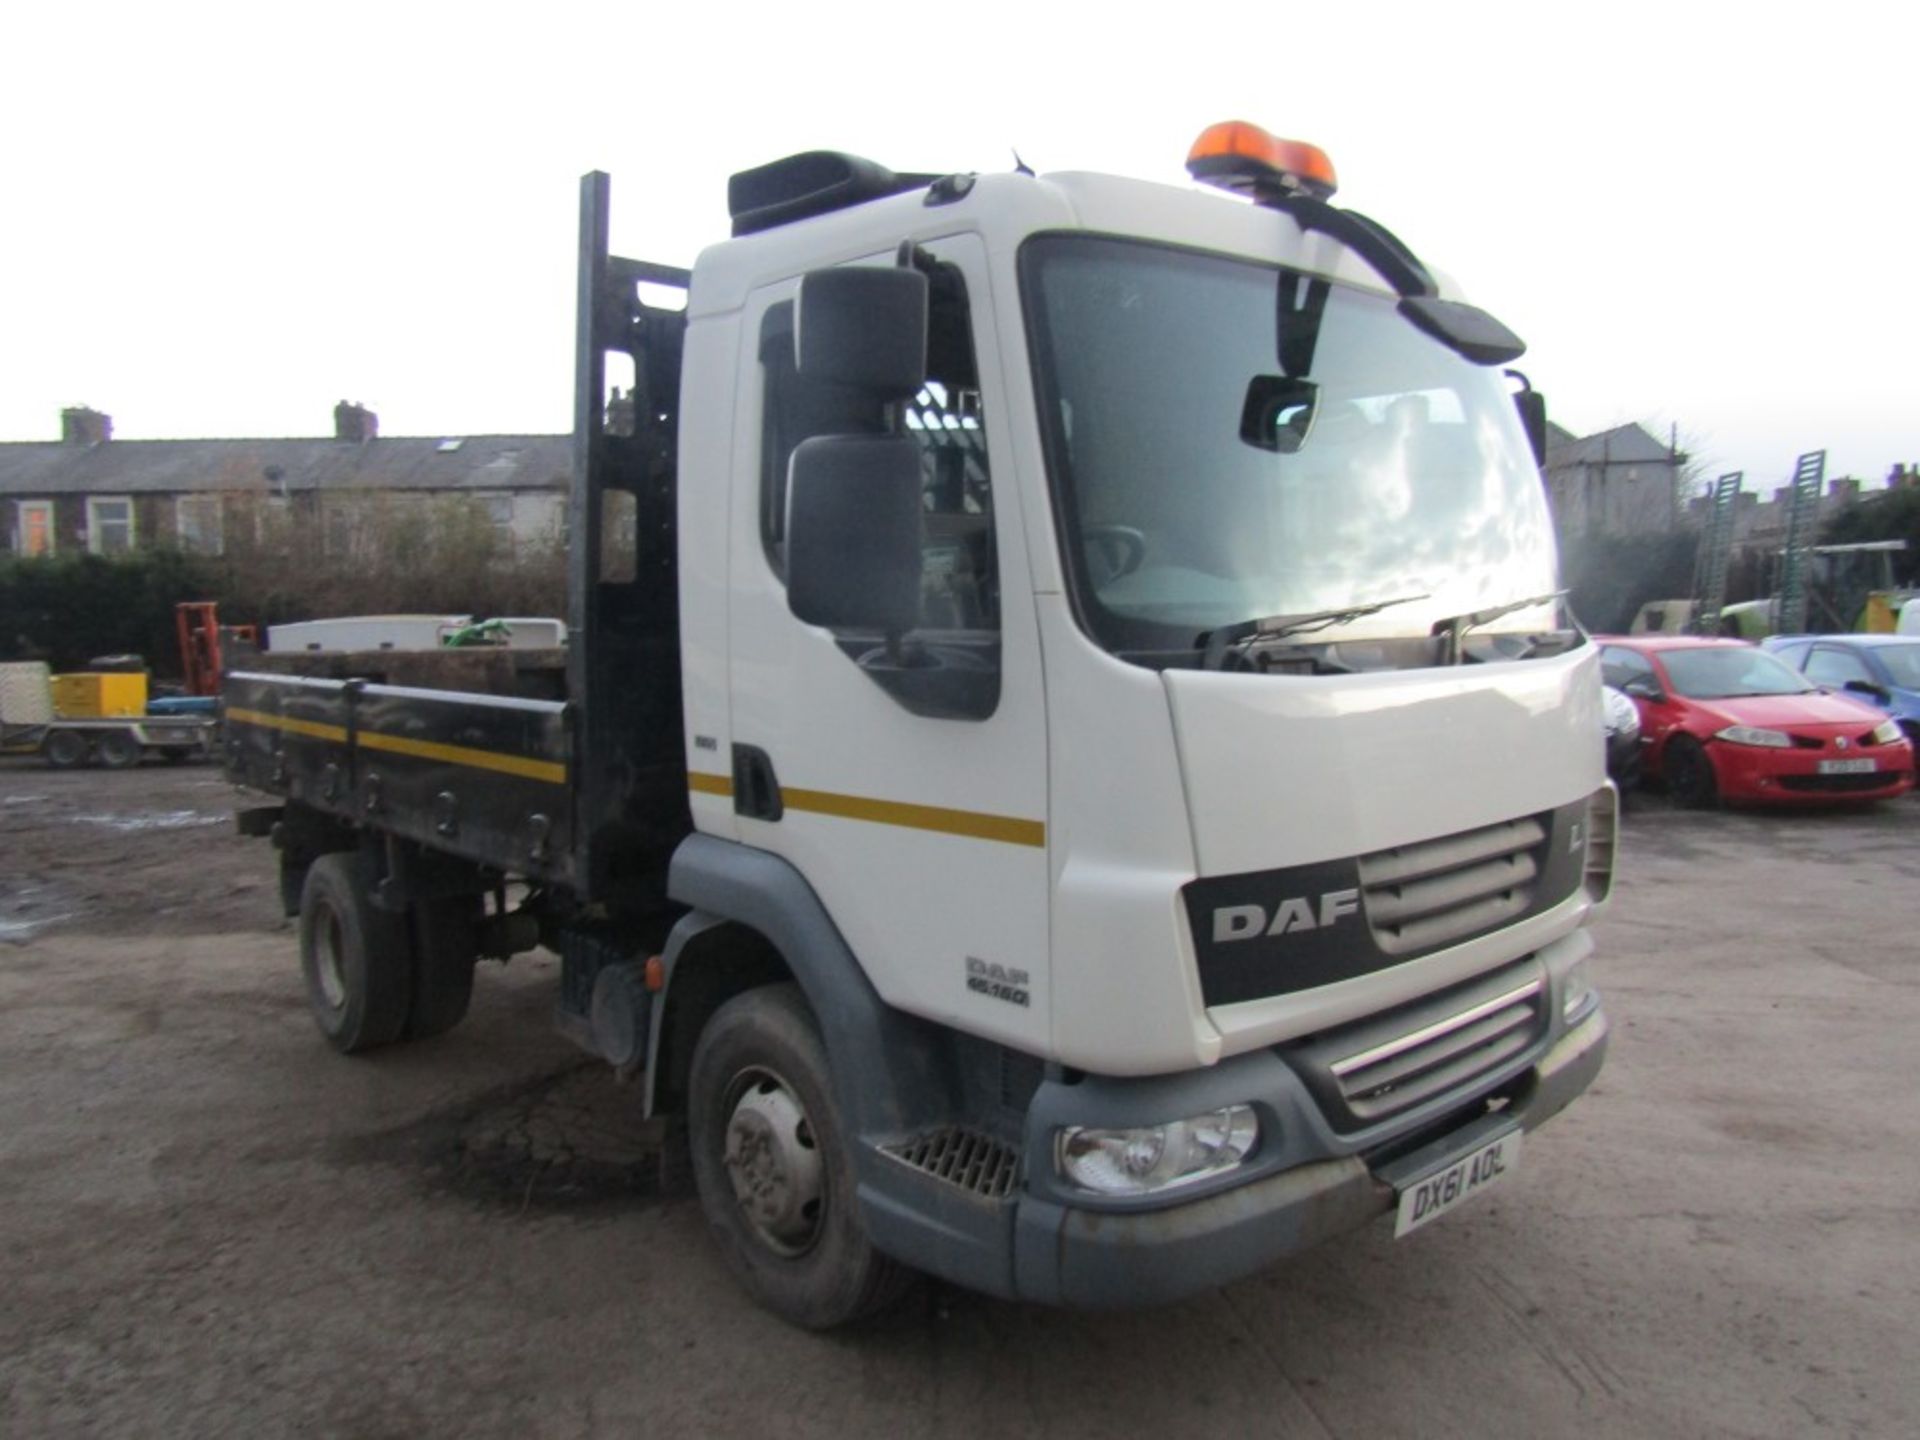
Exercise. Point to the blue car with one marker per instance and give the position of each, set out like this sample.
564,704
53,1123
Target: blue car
1881,669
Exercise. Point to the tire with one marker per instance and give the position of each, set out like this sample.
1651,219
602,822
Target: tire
790,1227
119,750
445,945
64,749
356,959
1689,772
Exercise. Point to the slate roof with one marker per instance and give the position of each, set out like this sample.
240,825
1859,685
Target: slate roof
1628,443
401,462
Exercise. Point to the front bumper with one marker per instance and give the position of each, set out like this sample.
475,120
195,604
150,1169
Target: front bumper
1091,1258
1762,774
1050,1244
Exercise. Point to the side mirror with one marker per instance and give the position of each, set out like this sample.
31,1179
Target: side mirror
853,532
1644,687
863,327
1871,690
1532,406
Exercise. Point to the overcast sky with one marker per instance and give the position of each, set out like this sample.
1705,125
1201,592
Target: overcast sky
219,220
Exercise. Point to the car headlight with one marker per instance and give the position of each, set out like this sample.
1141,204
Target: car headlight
1754,735
1886,732
1148,1158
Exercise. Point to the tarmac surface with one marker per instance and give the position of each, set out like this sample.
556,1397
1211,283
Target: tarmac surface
211,1224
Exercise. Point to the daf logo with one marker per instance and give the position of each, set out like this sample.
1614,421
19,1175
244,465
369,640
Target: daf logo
1243,922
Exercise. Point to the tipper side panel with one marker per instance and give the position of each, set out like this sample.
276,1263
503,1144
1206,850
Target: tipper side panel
483,777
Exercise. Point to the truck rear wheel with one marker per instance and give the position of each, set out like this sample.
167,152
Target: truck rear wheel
356,959
64,749
774,1170
446,943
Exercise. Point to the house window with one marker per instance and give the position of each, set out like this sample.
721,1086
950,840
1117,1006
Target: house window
33,528
499,512
340,529
109,525
198,522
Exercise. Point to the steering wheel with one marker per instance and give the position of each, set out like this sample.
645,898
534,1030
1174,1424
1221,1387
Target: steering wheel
1120,548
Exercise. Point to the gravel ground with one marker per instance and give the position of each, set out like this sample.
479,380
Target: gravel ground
211,1224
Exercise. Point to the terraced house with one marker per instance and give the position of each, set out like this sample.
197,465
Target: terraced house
88,492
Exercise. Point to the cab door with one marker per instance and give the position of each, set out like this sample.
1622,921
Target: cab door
916,812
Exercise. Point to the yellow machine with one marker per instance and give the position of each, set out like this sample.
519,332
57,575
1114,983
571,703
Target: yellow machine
99,695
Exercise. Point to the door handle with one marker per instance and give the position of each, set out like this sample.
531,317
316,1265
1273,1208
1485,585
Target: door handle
756,790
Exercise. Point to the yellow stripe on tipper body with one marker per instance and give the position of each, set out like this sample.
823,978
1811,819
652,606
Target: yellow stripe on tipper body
526,769
312,729
973,824
548,771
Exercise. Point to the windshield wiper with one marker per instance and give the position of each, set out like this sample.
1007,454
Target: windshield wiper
1217,644
1452,630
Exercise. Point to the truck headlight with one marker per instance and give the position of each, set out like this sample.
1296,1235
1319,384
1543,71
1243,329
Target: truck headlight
1149,1158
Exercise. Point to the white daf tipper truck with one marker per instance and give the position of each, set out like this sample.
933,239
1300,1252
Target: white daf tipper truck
1071,771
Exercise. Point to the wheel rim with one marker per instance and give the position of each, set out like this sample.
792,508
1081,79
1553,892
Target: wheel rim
773,1163
329,968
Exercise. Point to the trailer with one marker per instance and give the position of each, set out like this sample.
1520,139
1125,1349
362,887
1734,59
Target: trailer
1069,772
31,725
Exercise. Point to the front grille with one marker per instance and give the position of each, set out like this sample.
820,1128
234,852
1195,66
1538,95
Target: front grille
1841,784
1464,1038
1398,1074
977,1164
1425,895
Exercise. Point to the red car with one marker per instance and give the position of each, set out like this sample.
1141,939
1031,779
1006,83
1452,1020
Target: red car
1724,720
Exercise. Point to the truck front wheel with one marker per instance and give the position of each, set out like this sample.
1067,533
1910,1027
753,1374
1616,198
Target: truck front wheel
774,1171
355,957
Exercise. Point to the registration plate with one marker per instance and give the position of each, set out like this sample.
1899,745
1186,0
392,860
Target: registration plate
1431,1197
1847,767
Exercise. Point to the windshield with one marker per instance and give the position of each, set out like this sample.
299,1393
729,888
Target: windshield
1231,441
1723,673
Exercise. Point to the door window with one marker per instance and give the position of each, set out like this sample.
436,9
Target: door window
1621,668
1834,668
960,584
